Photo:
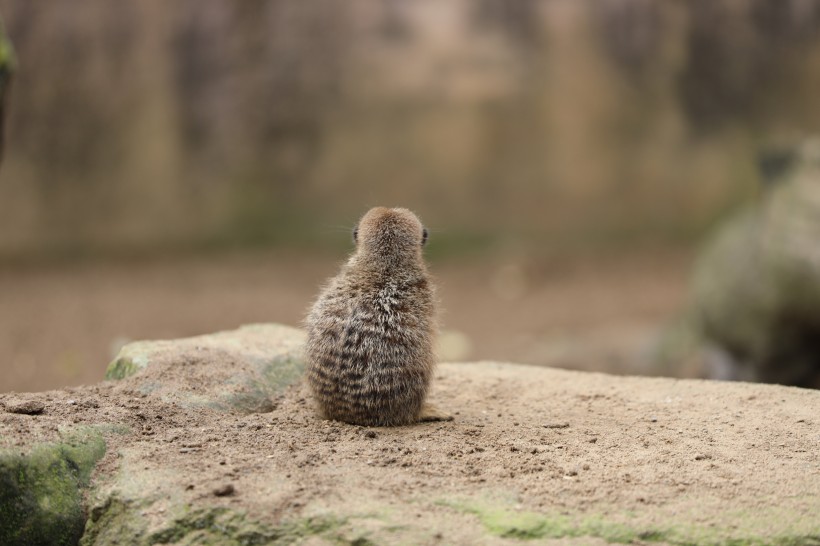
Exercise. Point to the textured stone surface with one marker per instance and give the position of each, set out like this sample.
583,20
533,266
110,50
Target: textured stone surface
236,370
534,454
41,489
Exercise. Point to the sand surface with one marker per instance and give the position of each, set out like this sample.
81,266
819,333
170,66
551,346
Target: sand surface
670,460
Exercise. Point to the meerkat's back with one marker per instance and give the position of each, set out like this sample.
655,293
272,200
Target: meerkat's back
371,331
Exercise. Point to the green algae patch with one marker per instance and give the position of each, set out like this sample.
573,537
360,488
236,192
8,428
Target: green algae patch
117,520
40,491
282,370
114,521
126,364
508,523
505,522
256,390
237,371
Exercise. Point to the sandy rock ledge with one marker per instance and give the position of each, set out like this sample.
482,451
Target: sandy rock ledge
212,440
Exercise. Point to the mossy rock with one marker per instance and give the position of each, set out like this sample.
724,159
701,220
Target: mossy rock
499,518
239,370
41,490
119,521
754,314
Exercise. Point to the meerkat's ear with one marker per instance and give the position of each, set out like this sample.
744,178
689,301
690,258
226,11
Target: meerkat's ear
423,236
356,234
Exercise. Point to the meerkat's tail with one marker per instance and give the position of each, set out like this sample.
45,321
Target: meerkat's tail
430,413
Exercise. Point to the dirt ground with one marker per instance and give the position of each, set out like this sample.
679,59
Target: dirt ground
530,449
60,326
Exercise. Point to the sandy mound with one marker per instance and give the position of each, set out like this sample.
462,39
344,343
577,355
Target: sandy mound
533,453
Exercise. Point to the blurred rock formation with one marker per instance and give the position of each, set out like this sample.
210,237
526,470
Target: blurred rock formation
755,310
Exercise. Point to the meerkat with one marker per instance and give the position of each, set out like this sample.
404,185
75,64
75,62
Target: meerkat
371,331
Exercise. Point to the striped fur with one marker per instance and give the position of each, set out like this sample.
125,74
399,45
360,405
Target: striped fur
370,333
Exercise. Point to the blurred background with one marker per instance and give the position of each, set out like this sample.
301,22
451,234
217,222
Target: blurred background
173,168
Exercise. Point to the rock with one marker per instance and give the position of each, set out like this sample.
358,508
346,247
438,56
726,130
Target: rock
27,407
224,490
744,455
41,489
556,425
755,309
238,370
117,522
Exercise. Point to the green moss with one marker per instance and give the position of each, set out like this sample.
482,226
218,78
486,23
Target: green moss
507,523
221,526
116,520
245,392
273,376
113,521
126,365
254,398
281,371
40,492
8,60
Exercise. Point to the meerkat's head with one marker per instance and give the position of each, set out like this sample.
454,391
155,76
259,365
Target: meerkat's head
387,232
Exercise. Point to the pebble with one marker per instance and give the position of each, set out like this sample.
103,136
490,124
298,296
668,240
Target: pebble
224,490
30,407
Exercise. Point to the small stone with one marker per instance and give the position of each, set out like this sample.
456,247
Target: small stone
370,434
556,425
702,456
224,490
29,407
